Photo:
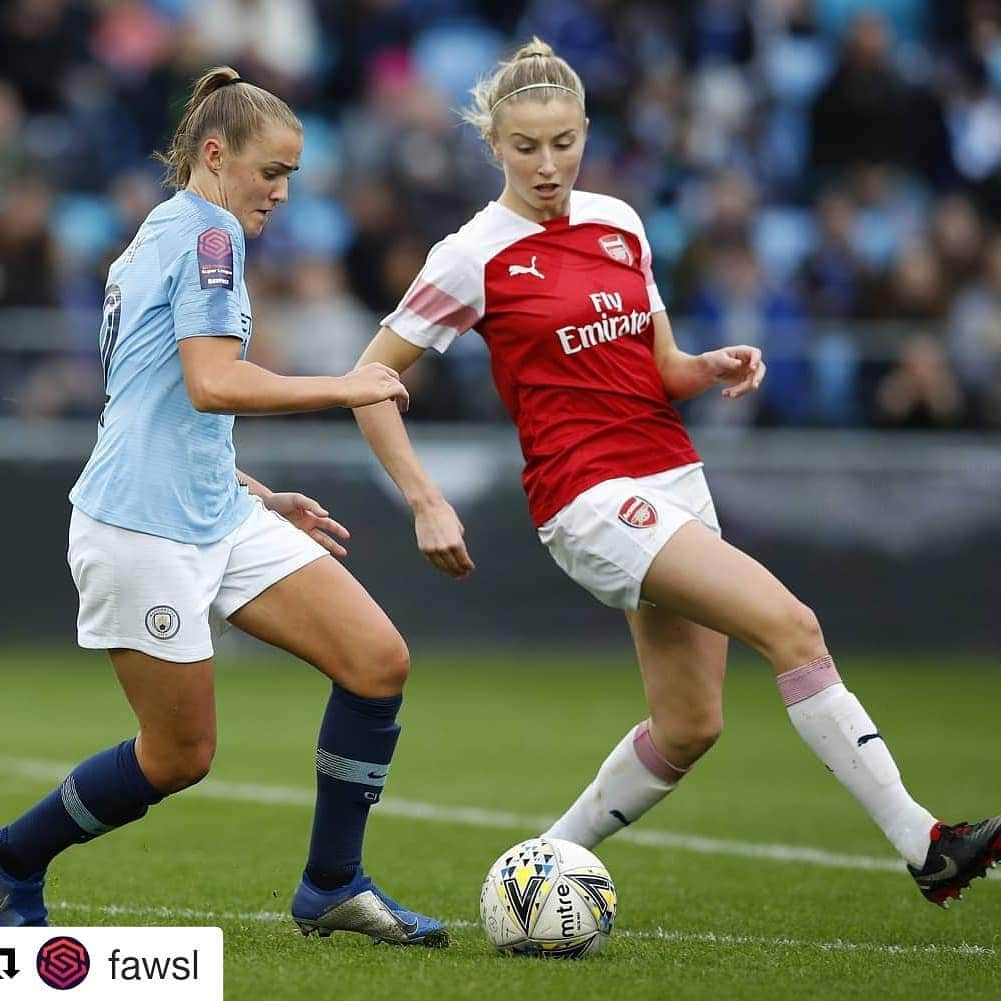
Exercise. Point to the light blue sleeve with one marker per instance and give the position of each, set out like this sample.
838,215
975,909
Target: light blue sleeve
204,283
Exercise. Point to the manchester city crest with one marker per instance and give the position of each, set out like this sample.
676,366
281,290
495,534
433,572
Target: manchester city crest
162,621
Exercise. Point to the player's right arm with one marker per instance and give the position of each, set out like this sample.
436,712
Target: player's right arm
439,531
220,381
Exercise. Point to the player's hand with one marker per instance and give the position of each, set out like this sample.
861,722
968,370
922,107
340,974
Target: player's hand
308,516
740,368
373,383
439,537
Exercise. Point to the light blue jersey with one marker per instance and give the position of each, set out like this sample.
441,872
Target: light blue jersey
160,466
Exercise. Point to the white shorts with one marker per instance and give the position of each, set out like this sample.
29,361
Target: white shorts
167,598
606,538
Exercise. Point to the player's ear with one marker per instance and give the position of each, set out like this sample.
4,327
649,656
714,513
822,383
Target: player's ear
213,149
494,141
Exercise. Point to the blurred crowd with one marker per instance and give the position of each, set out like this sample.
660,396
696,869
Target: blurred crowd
818,177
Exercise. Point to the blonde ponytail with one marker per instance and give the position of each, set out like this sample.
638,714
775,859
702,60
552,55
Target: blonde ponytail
221,102
534,69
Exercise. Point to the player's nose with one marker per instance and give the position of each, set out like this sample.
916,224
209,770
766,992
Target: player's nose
279,193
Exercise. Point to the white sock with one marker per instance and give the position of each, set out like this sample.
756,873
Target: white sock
838,729
633,778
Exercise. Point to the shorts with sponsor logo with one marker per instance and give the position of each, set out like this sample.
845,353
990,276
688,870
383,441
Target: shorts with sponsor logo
169,599
606,538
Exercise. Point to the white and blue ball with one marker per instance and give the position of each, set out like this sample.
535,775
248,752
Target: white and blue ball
547,897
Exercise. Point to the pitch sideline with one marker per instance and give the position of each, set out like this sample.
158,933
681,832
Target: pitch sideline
660,934
54,771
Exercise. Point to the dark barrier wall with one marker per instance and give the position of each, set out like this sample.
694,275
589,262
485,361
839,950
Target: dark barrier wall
894,554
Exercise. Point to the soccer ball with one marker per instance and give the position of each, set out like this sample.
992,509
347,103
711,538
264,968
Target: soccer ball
547,897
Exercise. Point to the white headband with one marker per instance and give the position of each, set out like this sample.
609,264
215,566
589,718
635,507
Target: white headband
535,86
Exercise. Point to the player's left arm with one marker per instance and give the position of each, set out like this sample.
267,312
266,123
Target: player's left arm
739,368
306,514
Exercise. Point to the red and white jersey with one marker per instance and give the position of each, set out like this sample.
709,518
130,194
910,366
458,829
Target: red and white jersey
565,309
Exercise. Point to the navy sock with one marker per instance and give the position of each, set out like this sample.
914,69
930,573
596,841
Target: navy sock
357,740
100,794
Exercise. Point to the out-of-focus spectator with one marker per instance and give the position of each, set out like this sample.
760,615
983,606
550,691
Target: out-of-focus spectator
276,44
796,61
584,32
975,339
61,386
133,194
719,31
957,236
719,211
833,276
27,250
834,280
921,391
909,18
915,291
974,95
39,39
735,305
974,120
131,37
379,221
13,160
318,326
892,212
49,383
869,113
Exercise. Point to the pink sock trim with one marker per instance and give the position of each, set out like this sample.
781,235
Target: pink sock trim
651,758
802,682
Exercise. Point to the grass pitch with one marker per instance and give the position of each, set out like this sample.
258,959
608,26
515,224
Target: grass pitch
759,878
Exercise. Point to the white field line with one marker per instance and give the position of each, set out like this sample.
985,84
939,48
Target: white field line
660,934
52,771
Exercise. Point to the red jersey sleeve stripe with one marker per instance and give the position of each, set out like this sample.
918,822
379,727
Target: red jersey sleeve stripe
437,307
646,265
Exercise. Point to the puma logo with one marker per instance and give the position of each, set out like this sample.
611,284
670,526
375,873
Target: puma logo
520,269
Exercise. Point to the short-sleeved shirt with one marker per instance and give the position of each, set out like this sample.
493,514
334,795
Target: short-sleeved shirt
565,307
159,466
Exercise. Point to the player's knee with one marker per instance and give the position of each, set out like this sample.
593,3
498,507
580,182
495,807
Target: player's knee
393,665
685,737
185,766
383,669
806,636
699,736
794,636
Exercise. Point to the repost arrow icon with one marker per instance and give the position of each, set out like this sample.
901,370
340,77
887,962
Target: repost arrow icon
11,970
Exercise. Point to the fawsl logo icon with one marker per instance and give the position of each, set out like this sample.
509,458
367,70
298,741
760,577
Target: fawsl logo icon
638,513
215,259
63,963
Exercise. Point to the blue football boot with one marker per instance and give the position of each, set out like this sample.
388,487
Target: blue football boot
362,907
21,902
